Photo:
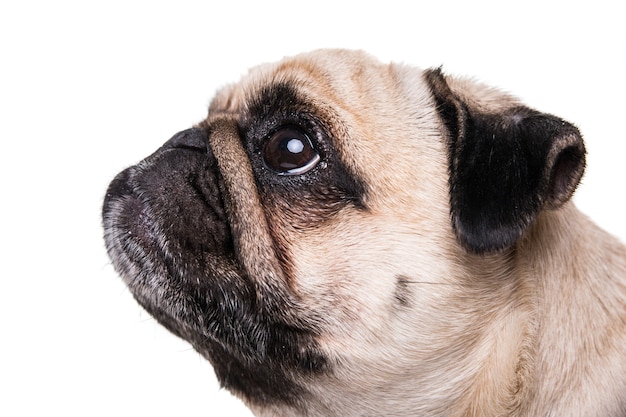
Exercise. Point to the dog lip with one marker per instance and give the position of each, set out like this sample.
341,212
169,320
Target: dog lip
119,187
137,221
128,231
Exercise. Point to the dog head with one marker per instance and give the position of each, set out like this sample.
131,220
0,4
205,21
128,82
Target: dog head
337,230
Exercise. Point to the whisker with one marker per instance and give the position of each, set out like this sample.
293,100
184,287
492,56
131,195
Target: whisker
432,283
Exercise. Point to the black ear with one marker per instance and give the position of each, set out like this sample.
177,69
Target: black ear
505,166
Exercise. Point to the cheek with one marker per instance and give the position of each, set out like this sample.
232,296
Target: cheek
356,265
305,210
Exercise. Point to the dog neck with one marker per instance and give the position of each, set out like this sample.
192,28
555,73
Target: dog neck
576,273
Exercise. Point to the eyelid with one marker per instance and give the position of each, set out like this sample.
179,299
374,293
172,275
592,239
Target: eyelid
304,168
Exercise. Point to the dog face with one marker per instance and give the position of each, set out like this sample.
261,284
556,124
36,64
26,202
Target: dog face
337,235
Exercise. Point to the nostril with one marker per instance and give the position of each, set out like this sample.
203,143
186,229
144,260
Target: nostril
194,139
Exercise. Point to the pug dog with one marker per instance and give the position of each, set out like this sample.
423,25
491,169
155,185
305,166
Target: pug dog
343,237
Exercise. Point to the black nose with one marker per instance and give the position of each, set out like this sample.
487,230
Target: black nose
194,138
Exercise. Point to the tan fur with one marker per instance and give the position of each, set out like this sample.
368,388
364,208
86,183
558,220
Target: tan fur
537,330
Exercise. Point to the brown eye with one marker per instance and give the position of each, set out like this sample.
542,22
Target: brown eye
289,151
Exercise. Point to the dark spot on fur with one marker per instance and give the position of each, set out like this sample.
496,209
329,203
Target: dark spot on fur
402,291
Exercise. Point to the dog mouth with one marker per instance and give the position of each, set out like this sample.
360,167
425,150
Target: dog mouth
165,228
130,234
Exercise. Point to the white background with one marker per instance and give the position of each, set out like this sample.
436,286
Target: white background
88,88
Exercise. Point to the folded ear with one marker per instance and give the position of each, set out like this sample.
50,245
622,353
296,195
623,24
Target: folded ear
506,163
